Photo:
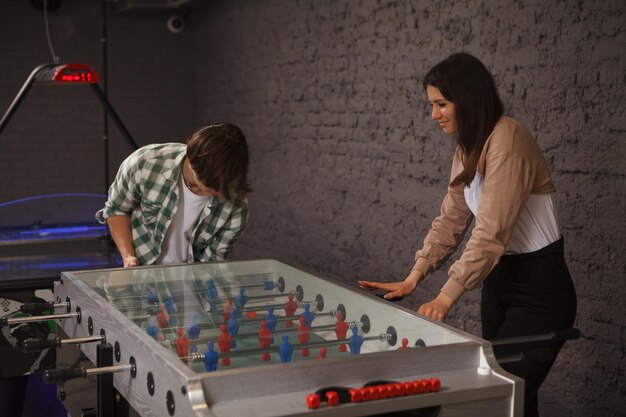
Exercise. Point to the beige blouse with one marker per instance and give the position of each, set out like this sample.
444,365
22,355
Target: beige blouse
513,167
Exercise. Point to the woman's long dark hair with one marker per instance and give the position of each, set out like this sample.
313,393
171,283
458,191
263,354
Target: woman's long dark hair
466,82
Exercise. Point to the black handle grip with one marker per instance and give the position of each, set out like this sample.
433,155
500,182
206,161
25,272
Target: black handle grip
40,344
539,355
568,334
37,308
53,376
561,335
3,322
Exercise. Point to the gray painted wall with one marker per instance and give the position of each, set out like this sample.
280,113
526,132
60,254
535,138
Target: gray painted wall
53,143
348,168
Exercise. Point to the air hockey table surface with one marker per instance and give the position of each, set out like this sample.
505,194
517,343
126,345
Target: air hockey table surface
165,320
42,236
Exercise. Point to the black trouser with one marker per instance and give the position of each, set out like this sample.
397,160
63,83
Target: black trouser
528,294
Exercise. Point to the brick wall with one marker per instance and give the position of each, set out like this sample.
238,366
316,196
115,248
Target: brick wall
349,170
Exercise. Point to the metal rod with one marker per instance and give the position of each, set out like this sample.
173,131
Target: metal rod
116,119
79,340
244,335
32,319
262,307
108,369
229,287
244,321
105,86
255,351
264,296
105,388
331,313
21,94
201,291
301,304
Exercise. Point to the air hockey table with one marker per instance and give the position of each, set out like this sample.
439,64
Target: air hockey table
265,338
40,237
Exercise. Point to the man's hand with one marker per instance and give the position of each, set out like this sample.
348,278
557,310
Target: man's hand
130,261
122,235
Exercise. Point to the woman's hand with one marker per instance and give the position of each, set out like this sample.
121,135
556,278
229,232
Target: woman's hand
395,289
438,308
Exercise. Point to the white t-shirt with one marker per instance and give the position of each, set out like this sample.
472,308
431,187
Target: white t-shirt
178,235
537,225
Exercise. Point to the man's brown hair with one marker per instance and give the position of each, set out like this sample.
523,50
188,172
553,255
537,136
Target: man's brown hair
219,156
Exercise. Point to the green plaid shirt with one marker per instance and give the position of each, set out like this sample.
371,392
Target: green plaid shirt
146,188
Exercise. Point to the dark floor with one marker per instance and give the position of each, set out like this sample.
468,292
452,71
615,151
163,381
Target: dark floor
29,396
41,399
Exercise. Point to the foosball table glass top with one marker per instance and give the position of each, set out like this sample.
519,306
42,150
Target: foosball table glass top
233,315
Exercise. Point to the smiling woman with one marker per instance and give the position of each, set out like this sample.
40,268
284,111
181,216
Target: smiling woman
499,177
443,110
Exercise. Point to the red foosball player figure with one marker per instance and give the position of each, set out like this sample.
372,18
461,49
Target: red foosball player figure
405,344
323,353
182,344
290,309
265,340
304,334
227,310
223,341
341,330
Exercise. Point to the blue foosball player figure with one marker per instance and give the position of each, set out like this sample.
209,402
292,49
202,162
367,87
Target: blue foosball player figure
270,320
211,288
152,329
193,332
152,296
235,312
241,299
308,316
355,341
211,293
232,326
286,349
210,358
170,305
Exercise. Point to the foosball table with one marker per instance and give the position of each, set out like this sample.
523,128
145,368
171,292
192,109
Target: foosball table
263,338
